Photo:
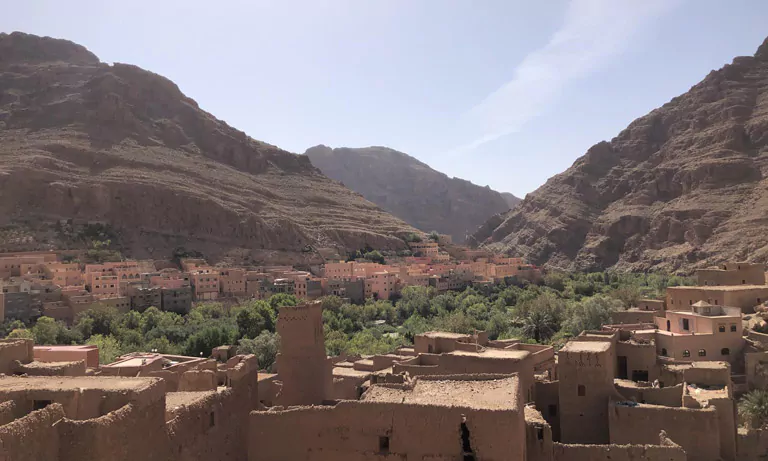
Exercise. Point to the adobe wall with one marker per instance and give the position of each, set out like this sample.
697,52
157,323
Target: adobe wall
752,445
33,437
538,436
130,433
670,396
7,412
303,366
12,350
572,452
211,429
695,430
757,369
712,344
633,316
547,398
197,380
76,368
640,357
477,364
170,378
583,418
351,431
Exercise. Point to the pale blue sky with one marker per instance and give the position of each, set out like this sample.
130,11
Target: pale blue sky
503,93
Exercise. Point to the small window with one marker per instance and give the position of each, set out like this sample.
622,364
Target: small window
725,351
383,444
716,302
686,324
743,282
582,390
686,353
690,301
663,352
553,410
40,404
733,327
702,353
213,419
721,328
540,433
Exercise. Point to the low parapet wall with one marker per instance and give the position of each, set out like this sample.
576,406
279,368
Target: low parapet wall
33,437
671,396
572,452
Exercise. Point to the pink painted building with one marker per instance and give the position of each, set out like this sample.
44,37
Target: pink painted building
88,352
233,282
205,283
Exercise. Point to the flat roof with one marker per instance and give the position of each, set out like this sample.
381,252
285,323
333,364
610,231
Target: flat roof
77,348
180,399
491,353
443,334
350,372
586,346
720,287
115,383
493,394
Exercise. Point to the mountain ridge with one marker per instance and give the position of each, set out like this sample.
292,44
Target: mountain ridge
410,189
681,187
85,141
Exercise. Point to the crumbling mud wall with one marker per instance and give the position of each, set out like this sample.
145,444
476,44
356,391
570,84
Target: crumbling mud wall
76,368
33,437
130,433
671,396
573,452
375,431
697,431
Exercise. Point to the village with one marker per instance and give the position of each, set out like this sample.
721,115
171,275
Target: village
661,381
40,284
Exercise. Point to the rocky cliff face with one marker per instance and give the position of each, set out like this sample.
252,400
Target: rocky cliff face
682,187
86,141
410,189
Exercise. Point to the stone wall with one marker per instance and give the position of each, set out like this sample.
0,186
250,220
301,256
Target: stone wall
12,350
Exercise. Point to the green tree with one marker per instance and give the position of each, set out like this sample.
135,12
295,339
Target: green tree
628,294
203,342
255,317
539,325
21,333
282,299
46,330
753,409
375,256
590,314
265,347
109,348
414,299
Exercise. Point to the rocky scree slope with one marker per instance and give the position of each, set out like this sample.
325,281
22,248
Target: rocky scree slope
87,141
682,187
410,189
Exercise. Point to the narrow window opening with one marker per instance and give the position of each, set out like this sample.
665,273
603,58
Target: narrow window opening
582,390
540,433
466,446
702,353
383,444
553,410
733,327
213,419
725,351
663,352
686,353
721,328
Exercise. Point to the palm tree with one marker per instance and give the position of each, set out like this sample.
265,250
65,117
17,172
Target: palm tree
539,325
753,409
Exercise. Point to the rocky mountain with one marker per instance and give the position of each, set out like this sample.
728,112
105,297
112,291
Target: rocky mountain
410,189
512,200
85,142
681,187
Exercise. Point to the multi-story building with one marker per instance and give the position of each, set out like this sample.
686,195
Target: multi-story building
205,283
233,282
178,300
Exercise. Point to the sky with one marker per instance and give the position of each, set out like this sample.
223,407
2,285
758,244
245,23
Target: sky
504,93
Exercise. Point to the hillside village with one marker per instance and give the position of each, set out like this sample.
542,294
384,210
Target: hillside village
644,387
39,284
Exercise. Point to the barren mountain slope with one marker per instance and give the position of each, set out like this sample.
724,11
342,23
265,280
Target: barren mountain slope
681,187
88,141
410,189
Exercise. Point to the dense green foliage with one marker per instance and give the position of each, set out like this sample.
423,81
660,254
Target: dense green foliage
563,305
753,409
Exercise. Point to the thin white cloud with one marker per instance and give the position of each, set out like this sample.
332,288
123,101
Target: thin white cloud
593,31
